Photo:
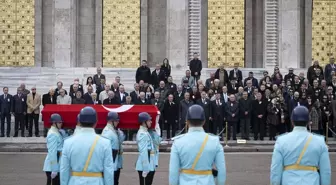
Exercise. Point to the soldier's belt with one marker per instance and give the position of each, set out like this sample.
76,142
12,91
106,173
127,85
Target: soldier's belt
87,174
196,172
299,167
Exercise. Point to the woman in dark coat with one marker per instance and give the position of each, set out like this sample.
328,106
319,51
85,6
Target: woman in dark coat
166,68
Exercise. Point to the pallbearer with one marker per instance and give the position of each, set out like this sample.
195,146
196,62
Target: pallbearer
54,145
87,157
300,157
156,140
116,137
145,164
194,154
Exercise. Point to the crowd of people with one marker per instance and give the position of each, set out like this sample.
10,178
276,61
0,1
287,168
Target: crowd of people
262,106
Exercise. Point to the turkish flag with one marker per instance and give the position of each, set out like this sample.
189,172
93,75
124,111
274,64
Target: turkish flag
128,114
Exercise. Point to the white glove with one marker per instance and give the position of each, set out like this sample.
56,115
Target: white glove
158,129
144,174
53,175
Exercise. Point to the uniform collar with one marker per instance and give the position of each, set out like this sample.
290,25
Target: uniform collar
110,126
143,128
53,128
196,129
87,130
300,129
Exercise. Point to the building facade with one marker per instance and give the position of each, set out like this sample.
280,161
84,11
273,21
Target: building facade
121,33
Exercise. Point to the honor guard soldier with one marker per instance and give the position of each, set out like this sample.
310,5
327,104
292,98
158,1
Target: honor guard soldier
54,145
116,138
78,126
87,157
194,154
300,157
156,140
145,164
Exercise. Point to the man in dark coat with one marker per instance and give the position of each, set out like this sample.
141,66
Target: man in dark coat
232,117
20,110
206,104
49,98
217,114
222,75
6,110
195,67
236,73
158,102
329,67
170,115
142,99
245,108
259,117
183,109
111,100
157,76
98,77
312,69
143,73
252,79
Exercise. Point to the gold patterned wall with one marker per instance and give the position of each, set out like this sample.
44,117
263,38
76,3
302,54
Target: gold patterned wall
226,30
17,32
324,30
121,33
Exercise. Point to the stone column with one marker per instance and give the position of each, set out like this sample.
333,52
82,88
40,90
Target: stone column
177,32
98,33
144,28
64,33
308,26
289,34
249,33
38,33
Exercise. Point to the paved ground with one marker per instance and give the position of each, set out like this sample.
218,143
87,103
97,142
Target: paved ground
242,168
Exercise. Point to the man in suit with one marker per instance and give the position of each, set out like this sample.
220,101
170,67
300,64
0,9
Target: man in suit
87,96
170,115
252,79
136,93
115,87
210,81
232,117
157,76
142,99
74,90
249,88
49,98
98,77
80,87
33,109
172,88
158,102
6,110
104,94
94,100
162,90
329,67
236,73
233,86
217,114
101,87
20,110
259,117
206,104
25,92
245,108
63,99
121,95
179,95
111,100
183,108
224,95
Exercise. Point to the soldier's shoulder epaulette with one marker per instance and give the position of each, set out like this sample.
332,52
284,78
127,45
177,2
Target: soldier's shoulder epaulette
281,135
177,137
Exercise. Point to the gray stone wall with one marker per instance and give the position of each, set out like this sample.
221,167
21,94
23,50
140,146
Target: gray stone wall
86,33
47,33
156,47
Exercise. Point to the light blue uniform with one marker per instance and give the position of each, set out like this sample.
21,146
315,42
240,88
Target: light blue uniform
157,140
287,151
146,158
116,138
78,167
77,129
192,157
54,145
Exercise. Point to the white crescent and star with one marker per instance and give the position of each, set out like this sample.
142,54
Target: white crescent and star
122,108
